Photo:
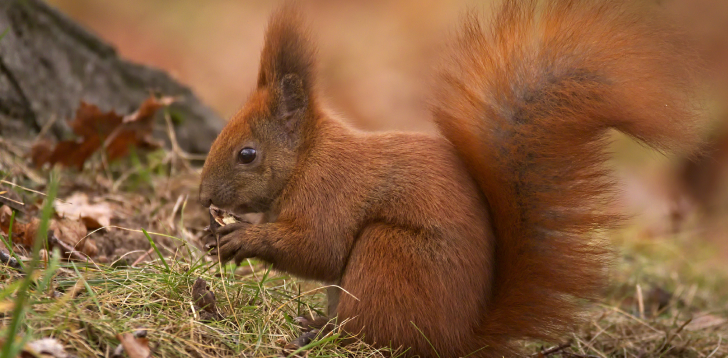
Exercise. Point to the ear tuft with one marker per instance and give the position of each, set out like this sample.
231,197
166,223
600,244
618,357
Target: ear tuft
288,50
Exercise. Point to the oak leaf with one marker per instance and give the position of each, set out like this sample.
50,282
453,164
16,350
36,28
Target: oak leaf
135,345
96,129
78,206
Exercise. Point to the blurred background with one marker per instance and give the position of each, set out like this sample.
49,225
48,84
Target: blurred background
374,60
374,56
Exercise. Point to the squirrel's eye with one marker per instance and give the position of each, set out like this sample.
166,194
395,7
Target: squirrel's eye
246,155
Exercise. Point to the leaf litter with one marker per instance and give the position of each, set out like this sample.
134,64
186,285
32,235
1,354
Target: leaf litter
96,130
136,345
196,307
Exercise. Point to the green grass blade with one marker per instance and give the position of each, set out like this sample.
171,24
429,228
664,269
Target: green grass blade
91,292
10,227
426,339
10,289
53,265
314,344
12,348
9,242
154,246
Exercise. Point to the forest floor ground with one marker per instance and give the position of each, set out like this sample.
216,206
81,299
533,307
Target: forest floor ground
124,254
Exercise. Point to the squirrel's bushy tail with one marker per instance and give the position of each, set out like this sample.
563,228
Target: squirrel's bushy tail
527,102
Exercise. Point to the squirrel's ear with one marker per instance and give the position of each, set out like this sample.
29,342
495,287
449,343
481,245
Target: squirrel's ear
287,64
293,98
288,50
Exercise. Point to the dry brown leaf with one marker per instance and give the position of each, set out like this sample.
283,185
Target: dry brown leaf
91,122
90,125
78,206
136,129
204,300
135,347
46,347
71,232
704,322
22,233
96,129
41,152
43,348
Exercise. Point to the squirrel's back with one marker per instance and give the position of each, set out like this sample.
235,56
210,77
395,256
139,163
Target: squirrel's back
527,102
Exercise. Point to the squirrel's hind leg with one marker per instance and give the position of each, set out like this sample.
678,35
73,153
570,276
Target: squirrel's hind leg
309,323
312,328
398,291
319,326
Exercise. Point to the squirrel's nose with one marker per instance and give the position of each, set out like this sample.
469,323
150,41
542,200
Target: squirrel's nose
205,198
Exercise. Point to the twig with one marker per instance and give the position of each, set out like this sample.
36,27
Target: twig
175,145
640,302
137,261
673,335
17,163
69,250
175,209
224,287
632,317
588,346
720,339
13,204
577,355
46,127
22,187
12,148
691,295
249,270
27,189
123,177
245,271
552,350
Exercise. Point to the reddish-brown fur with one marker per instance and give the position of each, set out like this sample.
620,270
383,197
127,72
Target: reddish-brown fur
482,237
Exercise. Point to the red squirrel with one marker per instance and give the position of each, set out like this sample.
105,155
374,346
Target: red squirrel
473,240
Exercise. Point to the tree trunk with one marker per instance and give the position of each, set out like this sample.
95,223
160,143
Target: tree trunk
48,64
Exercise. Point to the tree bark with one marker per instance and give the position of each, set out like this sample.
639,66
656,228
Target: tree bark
48,64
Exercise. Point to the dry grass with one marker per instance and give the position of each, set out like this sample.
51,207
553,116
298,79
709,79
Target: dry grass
663,303
138,286
156,193
666,300
258,311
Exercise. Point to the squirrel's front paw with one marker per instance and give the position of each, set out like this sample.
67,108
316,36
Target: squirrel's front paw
228,242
